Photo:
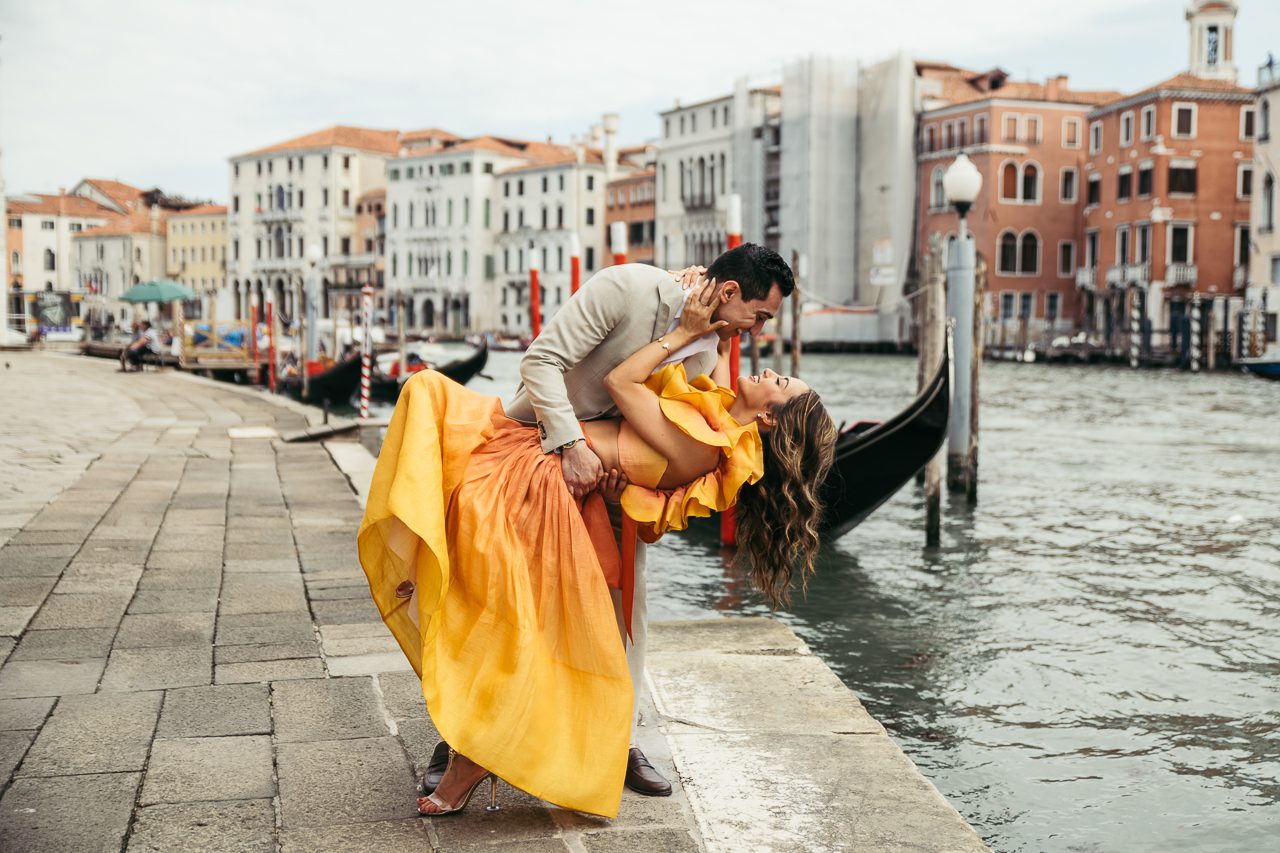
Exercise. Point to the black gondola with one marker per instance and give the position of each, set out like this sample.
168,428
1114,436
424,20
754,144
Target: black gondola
338,384
874,460
387,388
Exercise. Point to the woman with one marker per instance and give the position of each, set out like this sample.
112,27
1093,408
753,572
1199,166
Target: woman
502,590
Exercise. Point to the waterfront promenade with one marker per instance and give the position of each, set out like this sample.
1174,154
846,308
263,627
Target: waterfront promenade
190,661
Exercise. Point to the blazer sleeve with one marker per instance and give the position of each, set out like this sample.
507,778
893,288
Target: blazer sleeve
575,330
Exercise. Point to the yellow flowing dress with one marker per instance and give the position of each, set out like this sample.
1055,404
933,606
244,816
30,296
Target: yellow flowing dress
495,581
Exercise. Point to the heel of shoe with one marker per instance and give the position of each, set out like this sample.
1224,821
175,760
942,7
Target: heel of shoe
493,795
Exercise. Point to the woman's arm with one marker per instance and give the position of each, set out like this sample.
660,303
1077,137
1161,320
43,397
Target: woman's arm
625,383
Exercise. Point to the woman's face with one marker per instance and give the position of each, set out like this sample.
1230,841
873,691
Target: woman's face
769,390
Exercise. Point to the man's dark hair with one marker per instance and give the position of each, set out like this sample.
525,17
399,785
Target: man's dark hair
755,269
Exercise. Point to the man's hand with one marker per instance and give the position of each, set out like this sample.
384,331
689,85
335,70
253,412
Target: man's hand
583,472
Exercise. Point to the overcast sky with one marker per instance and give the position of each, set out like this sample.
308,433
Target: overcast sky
161,92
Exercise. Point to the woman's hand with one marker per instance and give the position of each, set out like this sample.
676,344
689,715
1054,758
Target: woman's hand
695,320
689,276
612,486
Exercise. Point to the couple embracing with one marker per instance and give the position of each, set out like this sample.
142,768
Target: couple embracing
505,550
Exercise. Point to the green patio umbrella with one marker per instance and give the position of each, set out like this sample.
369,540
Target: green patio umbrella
161,290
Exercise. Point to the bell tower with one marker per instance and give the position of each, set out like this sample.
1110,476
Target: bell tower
1211,39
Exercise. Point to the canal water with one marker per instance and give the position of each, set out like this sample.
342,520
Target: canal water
1090,660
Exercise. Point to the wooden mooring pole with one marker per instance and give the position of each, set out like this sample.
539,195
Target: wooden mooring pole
933,335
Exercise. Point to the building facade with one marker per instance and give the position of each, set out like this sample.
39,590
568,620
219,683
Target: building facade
630,199
1027,140
40,229
292,195
197,257
1262,297
111,258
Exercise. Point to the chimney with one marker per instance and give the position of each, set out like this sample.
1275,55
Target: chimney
1055,87
155,219
595,136
62,201
610,146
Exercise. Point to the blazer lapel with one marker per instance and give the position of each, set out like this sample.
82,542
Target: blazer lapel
670,298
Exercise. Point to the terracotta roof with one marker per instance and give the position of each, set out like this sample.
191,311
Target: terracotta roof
1191,81
67,205
137,222
118,191
362,138
635,177
373,194
411,136
202,210
963,86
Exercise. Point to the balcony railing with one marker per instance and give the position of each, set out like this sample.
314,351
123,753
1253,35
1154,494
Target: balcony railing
699,202
277,265
1123,275
363,259
287,214
1240,277
1087,278
1182,274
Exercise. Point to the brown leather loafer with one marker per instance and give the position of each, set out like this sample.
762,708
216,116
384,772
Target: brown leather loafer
435,770
643,778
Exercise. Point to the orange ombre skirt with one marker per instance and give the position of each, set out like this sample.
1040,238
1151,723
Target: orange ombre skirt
486,573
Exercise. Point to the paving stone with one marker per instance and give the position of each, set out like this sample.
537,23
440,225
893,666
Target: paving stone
45,537
345,612
338,593
280,549
190,560
6,648
402,695
265,652
24,713
326,709
13,620
216,710
13,745
668,840
175,601
89,579
36,811
347,781
23,678
158,668
144,630
239,635
16,592
103,733
277,670
351,665
270,593
209,768
419,737
243,826
258,567
26,566
521,819
103,610
376,837
108,554
65,644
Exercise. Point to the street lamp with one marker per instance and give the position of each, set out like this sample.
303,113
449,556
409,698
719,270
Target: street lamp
962,182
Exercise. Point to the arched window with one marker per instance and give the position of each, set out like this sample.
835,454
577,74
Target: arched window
429,313
1009,181
50,262
937,192
1269,202
723,173
930,138
682,182
448,262
279,198
702,179
394,258
712,180
1029,263
1030,183
1264,121
1009,253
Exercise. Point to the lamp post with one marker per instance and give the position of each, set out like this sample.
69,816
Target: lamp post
962,182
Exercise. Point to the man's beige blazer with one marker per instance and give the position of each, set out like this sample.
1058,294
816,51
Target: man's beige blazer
618,311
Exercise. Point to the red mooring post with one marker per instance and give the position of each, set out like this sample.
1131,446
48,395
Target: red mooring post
253,344
271,348
618,242
535,295
575,263
728,523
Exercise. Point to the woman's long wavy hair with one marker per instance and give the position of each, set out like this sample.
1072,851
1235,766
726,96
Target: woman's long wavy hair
779,516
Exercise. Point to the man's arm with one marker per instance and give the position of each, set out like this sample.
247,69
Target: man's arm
577,329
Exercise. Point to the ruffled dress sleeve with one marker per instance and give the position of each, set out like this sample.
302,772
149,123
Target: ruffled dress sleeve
700,409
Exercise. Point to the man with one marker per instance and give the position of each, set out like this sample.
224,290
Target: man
146,341
618,311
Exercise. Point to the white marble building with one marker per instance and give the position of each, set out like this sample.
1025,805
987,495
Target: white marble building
1262,296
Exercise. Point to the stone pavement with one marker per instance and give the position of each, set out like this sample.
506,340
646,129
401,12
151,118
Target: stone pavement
190,658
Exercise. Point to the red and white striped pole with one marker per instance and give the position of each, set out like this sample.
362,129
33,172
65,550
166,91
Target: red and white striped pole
535,294
253,344
728,523
366,350
618,242
575,263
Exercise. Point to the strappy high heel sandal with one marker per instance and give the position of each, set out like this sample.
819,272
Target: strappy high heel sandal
447,808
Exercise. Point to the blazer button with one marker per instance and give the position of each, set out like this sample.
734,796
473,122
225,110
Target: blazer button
405,590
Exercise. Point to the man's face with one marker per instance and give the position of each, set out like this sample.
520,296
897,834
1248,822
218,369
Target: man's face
742,315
